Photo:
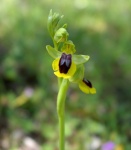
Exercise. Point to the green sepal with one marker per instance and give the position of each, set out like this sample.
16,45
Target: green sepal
79,74
53,52
80,59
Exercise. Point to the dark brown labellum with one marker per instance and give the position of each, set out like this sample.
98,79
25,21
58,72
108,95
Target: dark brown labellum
87,82
65,63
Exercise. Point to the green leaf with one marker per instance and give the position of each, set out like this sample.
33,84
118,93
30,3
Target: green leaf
80,59
53,52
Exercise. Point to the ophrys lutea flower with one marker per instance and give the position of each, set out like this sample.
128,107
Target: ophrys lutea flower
68,65
66,62
86,86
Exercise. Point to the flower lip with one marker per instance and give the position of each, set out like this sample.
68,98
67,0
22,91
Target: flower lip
87,82
65,63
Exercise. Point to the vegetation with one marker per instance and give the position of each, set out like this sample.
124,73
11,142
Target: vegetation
100,29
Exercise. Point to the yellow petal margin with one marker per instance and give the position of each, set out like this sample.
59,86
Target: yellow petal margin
92,90
61,75
55,64
72,70
86,89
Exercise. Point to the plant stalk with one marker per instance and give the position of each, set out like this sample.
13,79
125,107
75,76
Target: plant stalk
61,112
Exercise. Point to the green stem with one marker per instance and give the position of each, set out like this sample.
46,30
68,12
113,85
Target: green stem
59,82
61,112
55,44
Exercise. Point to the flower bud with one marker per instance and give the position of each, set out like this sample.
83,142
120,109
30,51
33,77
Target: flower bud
52,23
61,35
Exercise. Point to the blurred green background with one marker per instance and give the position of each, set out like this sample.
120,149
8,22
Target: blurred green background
28,87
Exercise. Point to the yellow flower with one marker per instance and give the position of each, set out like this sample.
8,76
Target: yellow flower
70,66
86,87
64,66
65,63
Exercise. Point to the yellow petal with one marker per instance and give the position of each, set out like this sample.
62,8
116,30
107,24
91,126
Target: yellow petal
57,73
92,90
61,75
66,76
72,70
86,89
55,64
